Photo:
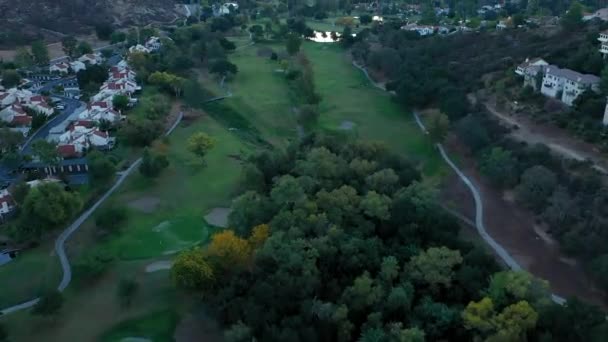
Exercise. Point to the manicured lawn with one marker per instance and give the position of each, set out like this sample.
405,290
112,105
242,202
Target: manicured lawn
261,96
157,327
349,97
29,274
184,194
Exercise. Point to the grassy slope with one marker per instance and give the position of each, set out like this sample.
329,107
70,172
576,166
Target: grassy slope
260,94
348,96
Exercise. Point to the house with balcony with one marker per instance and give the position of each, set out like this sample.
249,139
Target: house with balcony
521,69
566,85
603,38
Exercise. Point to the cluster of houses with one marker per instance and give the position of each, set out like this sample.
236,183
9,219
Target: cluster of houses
426,30
18,105
151,45
77,65
84,133
552,81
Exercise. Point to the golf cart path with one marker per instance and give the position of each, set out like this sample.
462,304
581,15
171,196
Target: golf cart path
65,235
479,222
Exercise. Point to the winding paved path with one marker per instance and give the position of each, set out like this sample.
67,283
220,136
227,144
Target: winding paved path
479,225
65,235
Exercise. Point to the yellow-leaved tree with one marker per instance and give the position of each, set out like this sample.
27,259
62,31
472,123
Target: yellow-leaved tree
258,236
229,250
192,271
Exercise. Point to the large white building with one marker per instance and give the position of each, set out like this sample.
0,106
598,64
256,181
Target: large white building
566,85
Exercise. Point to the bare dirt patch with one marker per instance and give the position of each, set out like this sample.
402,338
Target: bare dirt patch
513,228
198,326
159,266
146,204
218,217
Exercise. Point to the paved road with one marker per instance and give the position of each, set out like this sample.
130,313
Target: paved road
65,235
71,105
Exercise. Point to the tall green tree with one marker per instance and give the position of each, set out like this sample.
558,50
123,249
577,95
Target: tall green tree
40,53
69,44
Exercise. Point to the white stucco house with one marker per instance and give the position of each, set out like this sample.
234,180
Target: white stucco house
76,66
62,68
139,48
91,58
83,136
153,44
566,85
100,111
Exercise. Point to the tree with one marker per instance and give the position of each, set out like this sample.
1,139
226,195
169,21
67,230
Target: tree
153,163
19,192
513,322
104,31
10,78
120,102
249,210
126,290
132,36
200,143
92,265
84,48
168,81
48,206
308,116
536,185
46,152
604,80
376,205
223,67
573,19
3,333
191,271
49,304
293,44
117,37
438,126
365,19
23,58
111,218
69,44
40,53
259,235
101,169
229,250
499,166
472,133
479,316
435,266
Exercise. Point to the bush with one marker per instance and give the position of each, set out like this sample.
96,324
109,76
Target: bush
50,303
127,288
111,218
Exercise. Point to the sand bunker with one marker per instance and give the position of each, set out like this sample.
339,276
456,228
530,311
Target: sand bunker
145,204
159,266
161,226
218,217
346,125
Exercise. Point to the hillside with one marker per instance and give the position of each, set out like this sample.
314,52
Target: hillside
21,21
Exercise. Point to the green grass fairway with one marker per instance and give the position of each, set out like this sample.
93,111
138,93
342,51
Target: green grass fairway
184,192
349,96
29,274
261,95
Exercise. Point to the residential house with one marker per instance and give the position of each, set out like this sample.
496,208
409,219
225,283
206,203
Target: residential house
7,98
502,24
100,111
139,48
11,112
603,38
7,204
566,85
76,66
83,137
423,30
62,68
153,44
530,62
118,73
38,104
91,58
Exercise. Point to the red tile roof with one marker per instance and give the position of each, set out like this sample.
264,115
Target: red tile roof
99,104
67,151
22,120
101,134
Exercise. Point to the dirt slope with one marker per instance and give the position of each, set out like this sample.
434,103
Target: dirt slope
21,20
